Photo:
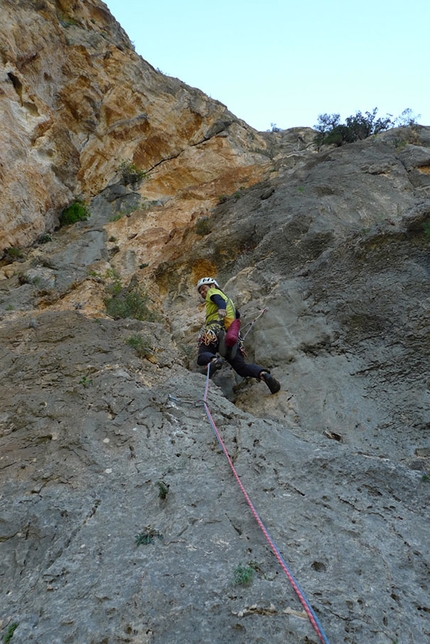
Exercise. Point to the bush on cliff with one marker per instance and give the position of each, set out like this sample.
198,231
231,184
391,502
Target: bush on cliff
128,302
356,128
77,211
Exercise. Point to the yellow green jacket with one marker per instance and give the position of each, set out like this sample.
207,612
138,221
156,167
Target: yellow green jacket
212,306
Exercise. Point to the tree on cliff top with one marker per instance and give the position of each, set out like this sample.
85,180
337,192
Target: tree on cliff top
356,128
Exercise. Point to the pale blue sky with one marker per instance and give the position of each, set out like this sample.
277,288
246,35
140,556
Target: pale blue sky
284,61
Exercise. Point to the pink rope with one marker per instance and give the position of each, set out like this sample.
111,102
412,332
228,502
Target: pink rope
305,603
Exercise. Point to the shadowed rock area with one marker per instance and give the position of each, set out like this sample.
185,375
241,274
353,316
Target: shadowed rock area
120,518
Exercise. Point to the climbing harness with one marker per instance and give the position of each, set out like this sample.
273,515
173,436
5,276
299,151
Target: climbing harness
300,594
209,334
214,333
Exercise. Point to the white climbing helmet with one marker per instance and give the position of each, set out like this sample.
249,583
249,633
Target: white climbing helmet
207,280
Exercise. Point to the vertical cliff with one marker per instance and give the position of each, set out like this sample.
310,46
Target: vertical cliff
120,519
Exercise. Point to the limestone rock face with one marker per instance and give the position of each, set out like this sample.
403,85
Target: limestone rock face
76,100
120,518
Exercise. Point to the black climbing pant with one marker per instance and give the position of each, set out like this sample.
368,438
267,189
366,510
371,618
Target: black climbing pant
244,369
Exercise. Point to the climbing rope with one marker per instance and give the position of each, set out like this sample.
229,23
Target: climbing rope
302,597
251,324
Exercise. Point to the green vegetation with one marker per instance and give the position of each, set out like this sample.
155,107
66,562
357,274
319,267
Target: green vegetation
356,128
141,345
127,302
147,536
144,204
130,172
10,631
67,22
44,239
236,195
243,575
202,226
85,382
77,211
426,226
14,253
163,490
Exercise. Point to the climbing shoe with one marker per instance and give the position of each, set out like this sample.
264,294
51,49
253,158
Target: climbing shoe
271,382
214,366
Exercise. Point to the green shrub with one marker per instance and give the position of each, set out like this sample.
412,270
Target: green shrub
407,119
141,345
44,239
14,253
130,172
202,226
128,302
358,127
114,286
77,211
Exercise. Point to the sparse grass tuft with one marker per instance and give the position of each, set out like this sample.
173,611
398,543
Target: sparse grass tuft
163,490
243,575
10,631
85,382
14,253
147,536
141,345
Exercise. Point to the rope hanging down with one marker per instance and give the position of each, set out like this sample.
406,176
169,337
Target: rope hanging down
300,594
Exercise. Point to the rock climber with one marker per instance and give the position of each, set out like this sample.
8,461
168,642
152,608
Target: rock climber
222,316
